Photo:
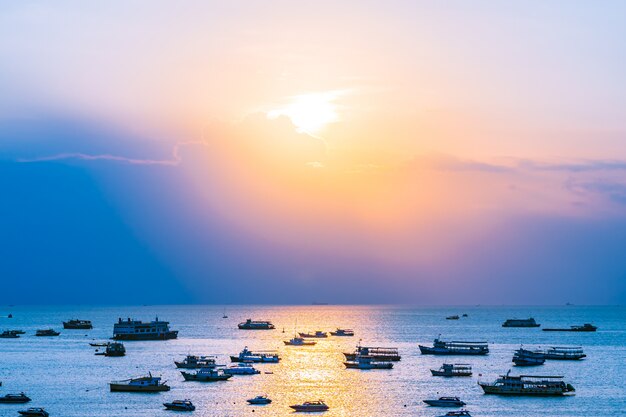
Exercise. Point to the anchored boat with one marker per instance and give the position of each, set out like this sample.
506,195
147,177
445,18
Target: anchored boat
47,332
384,354
34,412
299,341
195,362
206,375
456,369
445,402
441,347
15,398
587,327
461,413
113,349
564,353
259,356
310,406
142,384
315,335
77,324
180,405
241,369
367,362
9,334
342,332
259,400
137,330
525,357
250,324
535,385
529,322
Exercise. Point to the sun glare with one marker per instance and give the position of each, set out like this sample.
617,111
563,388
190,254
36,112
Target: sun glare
309,112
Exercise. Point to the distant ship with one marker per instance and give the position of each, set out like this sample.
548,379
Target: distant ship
77,324
250,324
441,347
138,330
529,322
587,327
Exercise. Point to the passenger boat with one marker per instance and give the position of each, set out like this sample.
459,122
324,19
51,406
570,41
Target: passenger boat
456,369
455,317
15,398
310,406
206,375
34,412
529,322
316,335
241,369
247,355
142,384
137,330
525,357
342,332
564,353
259,400
455,348
180,405
446,402
535,385
195,362
250,324
77,324
9,334
461,413
113,349
367,362
299,341
47,332
385,354
587,327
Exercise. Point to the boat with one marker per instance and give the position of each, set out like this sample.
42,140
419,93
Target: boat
137,330
441,347
142,384
247,355
529,322
446,402
564,353
195,362
77,324
259,400
366,362
224,316
180,405
318,334
535,385
34,412
241,369
206,375
47,332
385,354
113,349
98,344
9,334
342,332
10,316
455,317
525,357
587,327
299,341
465,315
456,369
460,413
310,406
15,398
250,324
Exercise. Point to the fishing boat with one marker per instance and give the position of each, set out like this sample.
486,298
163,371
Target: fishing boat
367,362
180,405
77,324
564,353
137,330
529,322
318,334
525,357
535,385
9,334
47,332
455,317
385,354
206,375
445,402
142,384
113,349
259,400
241,369
587,327
456,369
461,413
299,341
34,412
310,406
15,398
195,362
441,347
250,324
342,332
261,356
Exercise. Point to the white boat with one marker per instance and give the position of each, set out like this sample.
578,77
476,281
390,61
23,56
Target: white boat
310,406
446,402
367,362
259,356
564,353
299,341
241,369
460,413
206,375
195,362
259,400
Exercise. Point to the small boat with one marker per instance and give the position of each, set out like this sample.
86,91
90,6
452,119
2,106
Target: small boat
206,375
9,334
250,324
247,355
10,316
367,362
446,402
461,413
587,327
316,335
142,384
464,315
342,332
455,317
524,357
529,322
224,316
299,341
34,412
15,398
180,405
77,324
531,385
195,362
47,332
384,354
259,400
98,344
310,406
441,347
113,349
456,369
564,353
241,369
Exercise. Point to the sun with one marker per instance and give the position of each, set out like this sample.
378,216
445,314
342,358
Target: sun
310,113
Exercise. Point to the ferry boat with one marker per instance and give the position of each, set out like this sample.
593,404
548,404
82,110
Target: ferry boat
247,355
446,402
564,353
241,369
441,347
310,406
456,369
535,385
367,362
34,412
180,405
385,354
47,332
317,335
461,413
195,362
529,322
250,324
77,324
9,334
113,349
525,357
137,330
342,332
299,341
206,375
587,327
15,398
259,400
142,384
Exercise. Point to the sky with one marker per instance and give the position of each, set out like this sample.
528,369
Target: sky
235,152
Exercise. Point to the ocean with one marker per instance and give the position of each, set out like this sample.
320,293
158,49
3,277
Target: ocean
63,375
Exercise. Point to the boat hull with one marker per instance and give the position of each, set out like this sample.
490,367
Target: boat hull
308,409
14,400
427,350
381,358
439,403
488,389
147,336
215,378
356,365
77,326
134,388
448,374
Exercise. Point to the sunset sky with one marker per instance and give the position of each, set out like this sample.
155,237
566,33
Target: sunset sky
425,152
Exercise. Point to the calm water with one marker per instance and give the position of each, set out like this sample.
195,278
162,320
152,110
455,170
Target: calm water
63,375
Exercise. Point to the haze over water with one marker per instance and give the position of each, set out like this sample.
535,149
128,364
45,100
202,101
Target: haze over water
63,375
